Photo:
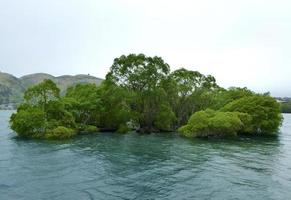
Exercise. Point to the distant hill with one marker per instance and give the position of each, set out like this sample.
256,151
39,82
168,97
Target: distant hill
285,104
12,88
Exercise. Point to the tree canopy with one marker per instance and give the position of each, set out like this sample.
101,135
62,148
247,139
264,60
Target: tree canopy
41,112
193,90
265,112
210,123
140,93
142,77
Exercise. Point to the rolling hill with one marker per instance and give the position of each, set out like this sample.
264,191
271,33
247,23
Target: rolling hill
12,88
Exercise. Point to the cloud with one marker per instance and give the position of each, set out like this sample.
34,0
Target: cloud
243,43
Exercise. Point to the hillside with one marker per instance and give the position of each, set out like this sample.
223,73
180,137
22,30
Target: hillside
12,88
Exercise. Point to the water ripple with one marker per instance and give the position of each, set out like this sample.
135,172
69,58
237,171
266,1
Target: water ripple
158,166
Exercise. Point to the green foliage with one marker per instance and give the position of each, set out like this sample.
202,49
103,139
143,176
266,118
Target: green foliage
28,121
60,132
87,129
115,109
138,72
225,123
42,93
210,123
42,113
84,102
222,96
246,119
57,114
191,81
142,77
265,112
91,129
165,118
123,128
194,92
140,93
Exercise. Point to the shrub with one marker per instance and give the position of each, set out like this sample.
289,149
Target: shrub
90,129
209,123
82,128
28,122
60,132
224,124
123,128
165,118
265,112
246,119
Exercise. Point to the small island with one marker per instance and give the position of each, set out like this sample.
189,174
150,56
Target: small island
141,94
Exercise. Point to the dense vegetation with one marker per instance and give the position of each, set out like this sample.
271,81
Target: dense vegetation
141,93
208,123
255,114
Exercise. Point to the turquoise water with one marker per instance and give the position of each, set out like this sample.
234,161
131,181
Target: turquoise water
163,166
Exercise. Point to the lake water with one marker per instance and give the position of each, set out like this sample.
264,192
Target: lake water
132,166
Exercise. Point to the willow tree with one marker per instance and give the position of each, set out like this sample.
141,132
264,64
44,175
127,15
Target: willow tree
225,96
84,102
142,77
264,110
194,93
43,113
41,94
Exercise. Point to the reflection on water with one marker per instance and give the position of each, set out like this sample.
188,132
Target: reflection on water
132,166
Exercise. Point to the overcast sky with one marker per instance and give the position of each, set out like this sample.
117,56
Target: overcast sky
241,43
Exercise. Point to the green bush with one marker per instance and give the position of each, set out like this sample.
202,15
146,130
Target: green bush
264,110
224,124
60,132
28,122
123,128
246,119
165,118
185,131
82,128
90,129
209,123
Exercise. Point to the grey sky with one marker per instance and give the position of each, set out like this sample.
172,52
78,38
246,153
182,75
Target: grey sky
241,43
